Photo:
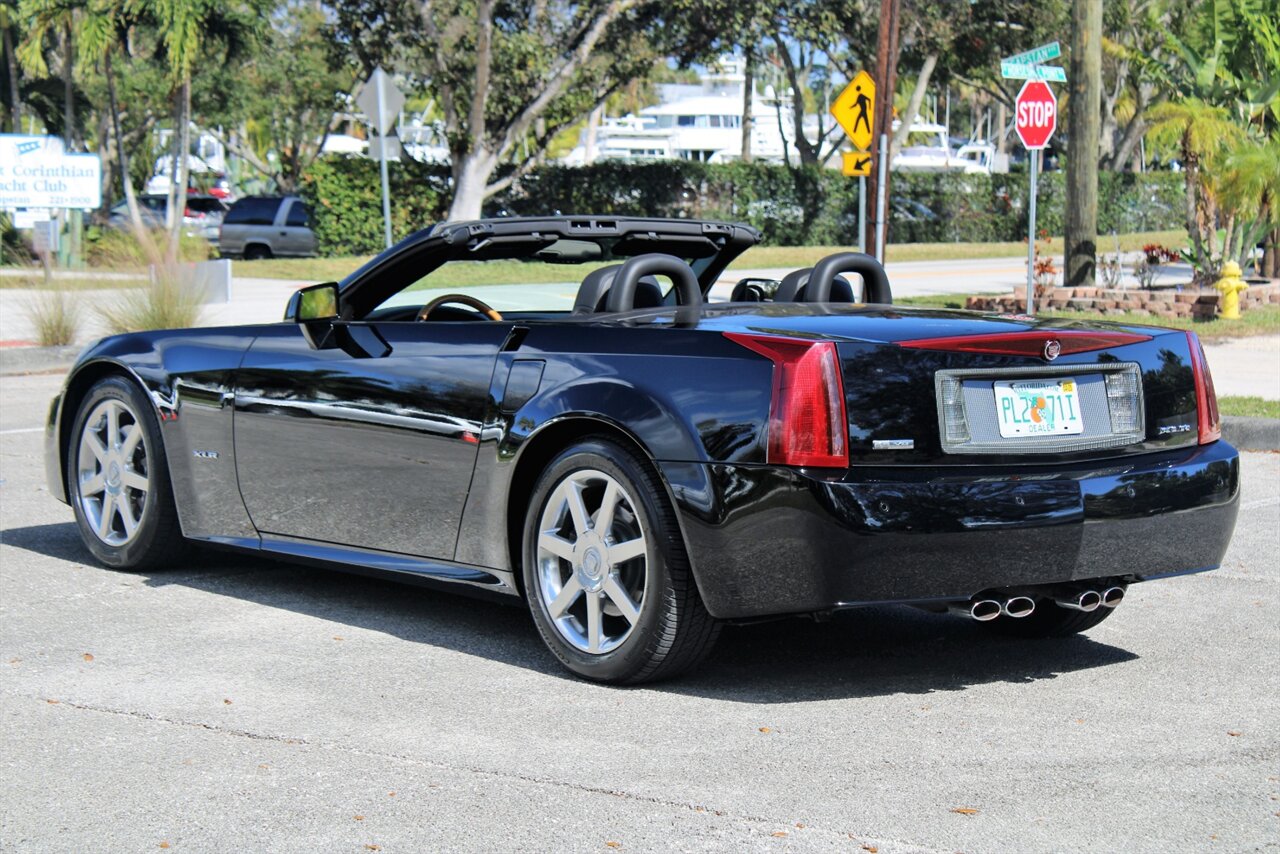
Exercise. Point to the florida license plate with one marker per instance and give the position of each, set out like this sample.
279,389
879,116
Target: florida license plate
1038,407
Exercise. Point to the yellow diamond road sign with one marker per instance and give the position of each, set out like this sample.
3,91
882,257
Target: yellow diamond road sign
855,110
856,164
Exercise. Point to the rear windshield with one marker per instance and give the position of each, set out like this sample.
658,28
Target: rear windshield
205,205
253,212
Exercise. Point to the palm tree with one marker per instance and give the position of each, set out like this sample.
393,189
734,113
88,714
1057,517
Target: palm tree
185,27
1201,132
1250,188
7,10
102,32
46,18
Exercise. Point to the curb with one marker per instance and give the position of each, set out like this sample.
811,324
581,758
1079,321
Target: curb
1251,434
37,360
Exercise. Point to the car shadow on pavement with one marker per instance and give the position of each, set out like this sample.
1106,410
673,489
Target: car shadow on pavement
862,653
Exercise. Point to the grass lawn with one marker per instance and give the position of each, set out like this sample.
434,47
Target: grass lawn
79,282
759,257
1264,320
1253,407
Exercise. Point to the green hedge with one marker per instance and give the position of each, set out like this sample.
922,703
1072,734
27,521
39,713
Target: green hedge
791,207
345,195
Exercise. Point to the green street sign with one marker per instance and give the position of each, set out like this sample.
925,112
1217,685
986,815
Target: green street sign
1036,55
1026,71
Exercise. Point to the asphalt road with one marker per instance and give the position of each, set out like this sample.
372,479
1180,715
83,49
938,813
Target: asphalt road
238,704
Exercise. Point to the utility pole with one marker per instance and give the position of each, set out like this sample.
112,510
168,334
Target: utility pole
748,97
1084,117
886,79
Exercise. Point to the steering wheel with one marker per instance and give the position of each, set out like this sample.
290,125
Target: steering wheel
469,301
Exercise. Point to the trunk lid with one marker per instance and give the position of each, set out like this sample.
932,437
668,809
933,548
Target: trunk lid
959,388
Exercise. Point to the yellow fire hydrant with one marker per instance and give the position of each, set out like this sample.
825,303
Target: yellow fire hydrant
1230,285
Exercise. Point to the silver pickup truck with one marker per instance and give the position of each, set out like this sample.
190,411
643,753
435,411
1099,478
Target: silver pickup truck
265,227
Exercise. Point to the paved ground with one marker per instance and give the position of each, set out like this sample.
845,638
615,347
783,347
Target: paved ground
237,704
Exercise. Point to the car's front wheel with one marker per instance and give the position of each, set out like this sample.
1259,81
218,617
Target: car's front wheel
118,482
606,572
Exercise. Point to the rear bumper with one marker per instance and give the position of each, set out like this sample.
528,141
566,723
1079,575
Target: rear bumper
768,540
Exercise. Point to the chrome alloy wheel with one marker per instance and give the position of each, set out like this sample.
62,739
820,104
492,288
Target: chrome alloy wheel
112,472
592,561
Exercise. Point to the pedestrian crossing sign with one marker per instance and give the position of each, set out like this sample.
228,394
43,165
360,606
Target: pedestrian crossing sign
855,110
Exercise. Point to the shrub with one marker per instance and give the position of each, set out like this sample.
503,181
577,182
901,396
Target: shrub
55,315
791,206
345,196
166,303
118,249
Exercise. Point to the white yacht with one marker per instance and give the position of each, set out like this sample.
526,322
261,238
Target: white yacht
928,149
698,122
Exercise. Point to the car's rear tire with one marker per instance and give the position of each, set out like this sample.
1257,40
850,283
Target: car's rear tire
1048,620
605,569
257,252
118,480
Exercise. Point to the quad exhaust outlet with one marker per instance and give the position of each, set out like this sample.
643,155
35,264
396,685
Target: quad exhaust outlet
984,610
1086,599
1080,600
981,610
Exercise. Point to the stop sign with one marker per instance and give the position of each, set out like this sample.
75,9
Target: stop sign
1036,114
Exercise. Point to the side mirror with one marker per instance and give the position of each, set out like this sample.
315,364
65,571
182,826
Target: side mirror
315,308
317,302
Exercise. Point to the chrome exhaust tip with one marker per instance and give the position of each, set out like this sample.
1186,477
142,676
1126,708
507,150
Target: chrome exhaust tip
1080,600
981,610
1018,607
1112,596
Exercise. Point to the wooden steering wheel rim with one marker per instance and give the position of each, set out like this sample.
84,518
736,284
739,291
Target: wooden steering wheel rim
469,301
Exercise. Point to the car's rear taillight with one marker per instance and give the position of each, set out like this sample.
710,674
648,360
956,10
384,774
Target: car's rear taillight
807,423
1210,422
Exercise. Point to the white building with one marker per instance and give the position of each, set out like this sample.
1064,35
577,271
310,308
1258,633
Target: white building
696,122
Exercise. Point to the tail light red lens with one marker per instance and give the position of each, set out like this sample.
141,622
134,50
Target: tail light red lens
1210,422
807,421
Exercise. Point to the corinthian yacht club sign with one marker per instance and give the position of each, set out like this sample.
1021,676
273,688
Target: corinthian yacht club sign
37,172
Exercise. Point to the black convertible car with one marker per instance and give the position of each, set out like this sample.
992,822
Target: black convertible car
641,464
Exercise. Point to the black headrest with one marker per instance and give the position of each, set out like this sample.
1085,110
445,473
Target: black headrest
793,284
747,291
594,291
648,293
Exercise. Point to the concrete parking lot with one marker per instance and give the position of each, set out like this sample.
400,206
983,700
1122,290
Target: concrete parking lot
239,704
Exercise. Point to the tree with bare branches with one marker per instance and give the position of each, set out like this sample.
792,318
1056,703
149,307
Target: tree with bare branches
509,76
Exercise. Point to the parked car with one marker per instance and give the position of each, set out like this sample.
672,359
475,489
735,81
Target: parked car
267,226
645,466
201,217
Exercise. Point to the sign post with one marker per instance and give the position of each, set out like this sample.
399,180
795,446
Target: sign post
862,214
381,101
855,110
1035,118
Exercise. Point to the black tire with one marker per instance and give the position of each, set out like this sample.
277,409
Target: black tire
157,539
673,631
1048,620
257,252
